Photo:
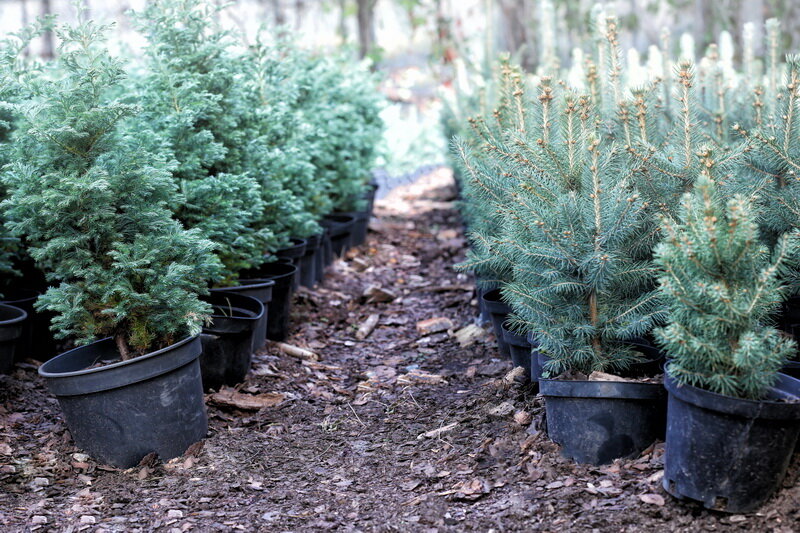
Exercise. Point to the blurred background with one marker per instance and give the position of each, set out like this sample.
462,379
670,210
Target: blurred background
428,51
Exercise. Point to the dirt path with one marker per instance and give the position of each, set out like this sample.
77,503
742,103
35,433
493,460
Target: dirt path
398,432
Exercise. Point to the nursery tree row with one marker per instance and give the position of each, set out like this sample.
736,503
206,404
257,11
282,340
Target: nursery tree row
629,224
137,182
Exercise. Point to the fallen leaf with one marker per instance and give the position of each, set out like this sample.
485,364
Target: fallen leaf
653,499
472,489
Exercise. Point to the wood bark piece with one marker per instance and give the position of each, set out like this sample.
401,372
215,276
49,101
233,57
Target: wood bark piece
367,326
247,402
296,351
434,325
602,376
467,335
376,294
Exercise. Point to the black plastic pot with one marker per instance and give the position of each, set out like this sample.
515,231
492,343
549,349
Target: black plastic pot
520,350
261,290
369,196
294,252
341,229
358,235
12,328
498,313
230,340
482,286
728,453
326,257
24,299
536,369
280,307
120,412
598,421
309,262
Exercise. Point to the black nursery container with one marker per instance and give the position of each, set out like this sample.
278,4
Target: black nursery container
326,250
261,290
596,422
230,340
728,453
358,235
536,369
310,261
341,228
120,412
520,350
498,313
482,286
12,329
280,307
369,196
294,254
24,299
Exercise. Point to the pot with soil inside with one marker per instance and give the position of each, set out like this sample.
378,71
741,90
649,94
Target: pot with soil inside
729,453
499,311
120,411
341,228
261,290
602,417
230,340
131,275
13,321
733,419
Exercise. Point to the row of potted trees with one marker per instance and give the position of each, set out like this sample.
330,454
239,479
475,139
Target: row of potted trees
170,204
618,234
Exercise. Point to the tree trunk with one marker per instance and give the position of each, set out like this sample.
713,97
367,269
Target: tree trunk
366,26
122,346
277,13
23,6
48,47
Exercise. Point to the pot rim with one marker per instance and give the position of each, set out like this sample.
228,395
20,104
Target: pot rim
34,294
16,320
86,371
601,390
722,403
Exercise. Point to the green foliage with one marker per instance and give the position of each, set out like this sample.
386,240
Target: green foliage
574,232
94,205
281,74
195,97
341,105
721,285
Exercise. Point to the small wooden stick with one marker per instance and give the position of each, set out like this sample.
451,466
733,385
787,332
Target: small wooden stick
367,326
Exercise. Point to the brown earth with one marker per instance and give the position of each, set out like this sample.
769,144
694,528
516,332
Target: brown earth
398,432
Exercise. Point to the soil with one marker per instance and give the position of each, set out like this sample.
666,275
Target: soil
398,432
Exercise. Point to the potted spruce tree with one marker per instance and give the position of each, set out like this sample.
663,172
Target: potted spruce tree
342,106
196,97
487,189
93,203
774,161
579,238
733,420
